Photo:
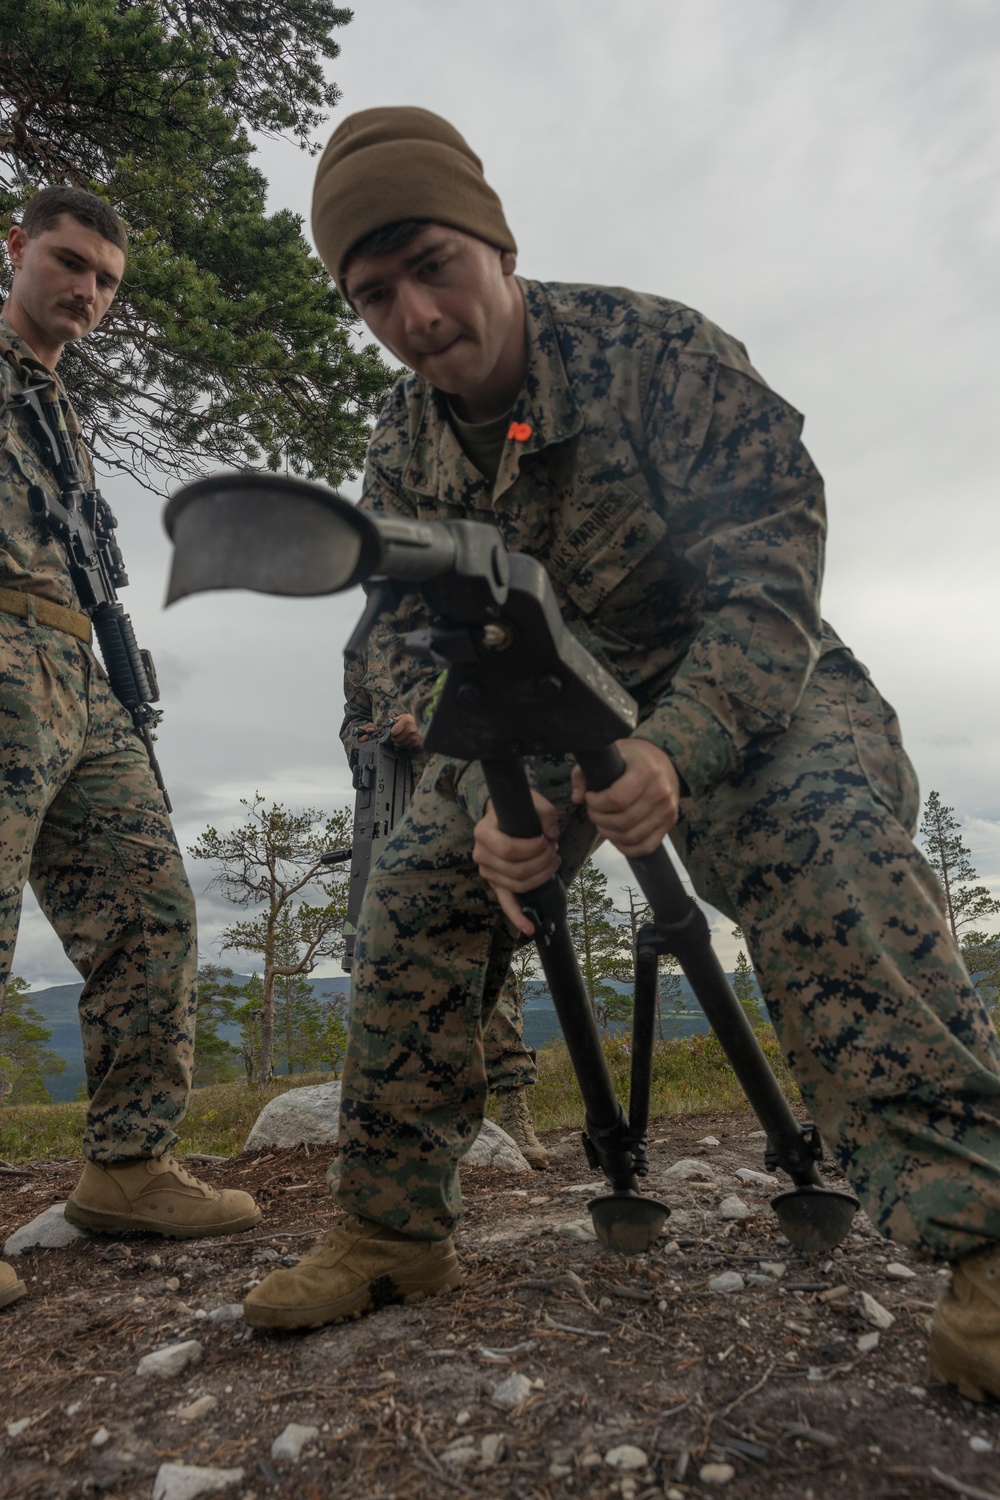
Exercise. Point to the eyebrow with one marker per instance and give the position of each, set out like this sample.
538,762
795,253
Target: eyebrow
409,264
98,270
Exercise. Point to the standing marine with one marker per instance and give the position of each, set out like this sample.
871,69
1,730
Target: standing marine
81,815
630,446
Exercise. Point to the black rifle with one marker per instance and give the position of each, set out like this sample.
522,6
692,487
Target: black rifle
85,524
383,784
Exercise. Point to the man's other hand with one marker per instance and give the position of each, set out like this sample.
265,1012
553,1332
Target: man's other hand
512,866
636,812
404,733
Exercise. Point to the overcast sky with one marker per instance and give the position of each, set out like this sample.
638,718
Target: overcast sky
822,181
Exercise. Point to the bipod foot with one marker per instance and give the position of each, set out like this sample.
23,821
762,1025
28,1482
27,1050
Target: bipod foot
626,1223
815,1218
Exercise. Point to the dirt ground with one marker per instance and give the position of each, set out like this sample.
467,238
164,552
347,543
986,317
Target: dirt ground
767,1382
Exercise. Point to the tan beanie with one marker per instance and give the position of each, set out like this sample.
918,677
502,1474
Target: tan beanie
383,165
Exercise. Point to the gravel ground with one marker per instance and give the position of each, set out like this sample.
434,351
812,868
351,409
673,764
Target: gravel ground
632,1377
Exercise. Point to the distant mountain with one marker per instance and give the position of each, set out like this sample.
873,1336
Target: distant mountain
58,1007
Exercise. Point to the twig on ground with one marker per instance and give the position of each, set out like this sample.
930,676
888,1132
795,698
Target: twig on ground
946,1481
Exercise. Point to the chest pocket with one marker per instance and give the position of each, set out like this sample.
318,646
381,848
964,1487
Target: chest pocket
610,544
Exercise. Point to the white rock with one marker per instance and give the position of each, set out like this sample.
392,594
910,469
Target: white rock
310,1114
773,1268
230,1312
733,1207
868,1341
728,1281
581,1231
494,1148
288,1445
49,1231
747,1174
874,1313
171,1360
899,1272
101,1436
491,1448
188,1481
626,1456
512,1391
716,1473
196,1409
980,1445
709,1140
14,1429
687,1169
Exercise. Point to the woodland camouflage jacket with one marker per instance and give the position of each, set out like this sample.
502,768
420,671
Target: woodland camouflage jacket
31,557
665,488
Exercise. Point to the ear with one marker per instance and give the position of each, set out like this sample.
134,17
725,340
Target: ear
508,262
16,243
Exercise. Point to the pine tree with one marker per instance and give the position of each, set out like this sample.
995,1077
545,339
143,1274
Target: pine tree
670,1002
602,945
745,986
217,1002
333,1047
273,860
227,343
965,904
25,1061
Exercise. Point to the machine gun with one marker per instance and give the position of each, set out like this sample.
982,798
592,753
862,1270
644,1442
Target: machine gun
518,683
85,524
383,787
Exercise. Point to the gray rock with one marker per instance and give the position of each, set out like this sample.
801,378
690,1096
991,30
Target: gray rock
728,1281
626,1457
310,1114
512,1391
164,1363
761,1179
733,1207
493,1147
716,1473
188,1481
49,1231
709,1140
101,1436
491,1449
230,1312
14,1429
980,1445
874,1313
288,1445
686,1169
775,1268
898,1271
199,1408
868,1341
580,1231
462,1451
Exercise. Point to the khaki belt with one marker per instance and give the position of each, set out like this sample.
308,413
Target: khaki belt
28,606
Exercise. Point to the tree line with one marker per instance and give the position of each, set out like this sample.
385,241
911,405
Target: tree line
269,866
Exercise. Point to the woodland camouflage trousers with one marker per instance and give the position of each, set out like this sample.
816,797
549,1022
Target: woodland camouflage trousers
810,850
81,817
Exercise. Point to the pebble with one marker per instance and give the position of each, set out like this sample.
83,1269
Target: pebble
626,1457
512,1391
14,1429
230,1312
747,1174
101,1436
980,1445
560,1471
288,1445
461,1451
716,1473
675,1494
709,1140
580,1231
491,1449
188,1481
170,1361
733,1207
73,1408
196,1409
868,1341
774,1268
50,1230
172,1284
898,1271
873,1312
729,1281
686,1169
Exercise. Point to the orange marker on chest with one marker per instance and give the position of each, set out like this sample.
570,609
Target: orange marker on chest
519,432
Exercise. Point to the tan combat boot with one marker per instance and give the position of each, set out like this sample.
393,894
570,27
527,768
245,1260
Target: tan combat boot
156,1195
10,1287
514,1117
965,1332
357,1268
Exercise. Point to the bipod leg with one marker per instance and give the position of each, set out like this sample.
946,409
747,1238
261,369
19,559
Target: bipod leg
811,1216
623,1221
